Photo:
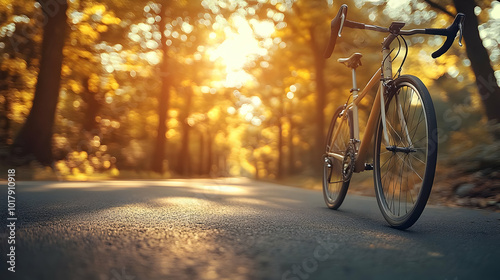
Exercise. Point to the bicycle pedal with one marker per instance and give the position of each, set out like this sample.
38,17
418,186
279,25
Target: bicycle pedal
368,166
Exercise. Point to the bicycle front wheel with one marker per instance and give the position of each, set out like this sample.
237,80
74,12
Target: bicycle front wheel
404,168
337,142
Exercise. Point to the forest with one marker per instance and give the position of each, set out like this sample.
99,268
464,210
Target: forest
163,89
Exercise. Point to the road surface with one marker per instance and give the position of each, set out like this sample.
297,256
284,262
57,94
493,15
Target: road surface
233,229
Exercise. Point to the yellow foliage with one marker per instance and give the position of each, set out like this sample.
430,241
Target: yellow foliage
173,113
171,133
266,150
94,82
82,54
220,138
112,84
20,111
89,170
110,19
83,155
65,70
102,28
114,172
75,171
214,114
87,30
171,123
96,9
75,86
14,65
62,168
94,160
268,133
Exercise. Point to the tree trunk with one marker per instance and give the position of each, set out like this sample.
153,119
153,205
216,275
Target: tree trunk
4,115
280,149
93,104
183,162
291,148
163,101
201,169
280,138
210,152
34,140
319,67
5,122
480,61
257,174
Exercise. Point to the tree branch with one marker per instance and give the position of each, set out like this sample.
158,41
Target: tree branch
439,7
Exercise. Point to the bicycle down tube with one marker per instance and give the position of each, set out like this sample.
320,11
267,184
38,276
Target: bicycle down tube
370,126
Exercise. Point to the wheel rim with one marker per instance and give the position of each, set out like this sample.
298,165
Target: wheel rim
402,169
333,168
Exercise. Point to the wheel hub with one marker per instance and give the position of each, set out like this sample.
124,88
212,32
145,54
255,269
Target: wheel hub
405,150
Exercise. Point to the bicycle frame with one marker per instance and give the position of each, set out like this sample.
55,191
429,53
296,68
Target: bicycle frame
405,153
383,75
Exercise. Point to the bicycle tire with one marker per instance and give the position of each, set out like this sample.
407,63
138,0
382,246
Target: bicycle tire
409,162
335,192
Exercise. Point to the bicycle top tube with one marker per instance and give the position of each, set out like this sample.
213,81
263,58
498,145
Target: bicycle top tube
340,21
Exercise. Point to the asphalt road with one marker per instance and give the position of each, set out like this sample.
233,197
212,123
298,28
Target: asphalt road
233,229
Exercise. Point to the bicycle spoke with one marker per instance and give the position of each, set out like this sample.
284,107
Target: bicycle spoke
334,185
413,184
384,178
417,173
399,175
418,159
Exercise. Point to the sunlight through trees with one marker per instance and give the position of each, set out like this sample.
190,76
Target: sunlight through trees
216,88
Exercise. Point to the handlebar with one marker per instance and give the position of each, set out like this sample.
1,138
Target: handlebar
450,32
335,29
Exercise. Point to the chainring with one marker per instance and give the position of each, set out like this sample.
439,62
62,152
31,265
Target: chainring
348,162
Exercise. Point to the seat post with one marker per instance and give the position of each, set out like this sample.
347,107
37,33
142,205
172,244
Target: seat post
354,83
355,91
353,62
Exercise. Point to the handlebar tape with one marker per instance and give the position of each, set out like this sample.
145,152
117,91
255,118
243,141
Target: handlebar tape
450,32
335,26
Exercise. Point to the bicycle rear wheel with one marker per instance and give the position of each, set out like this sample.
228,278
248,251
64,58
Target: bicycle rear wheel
334,183
404,169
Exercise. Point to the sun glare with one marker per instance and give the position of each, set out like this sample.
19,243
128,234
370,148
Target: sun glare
241,48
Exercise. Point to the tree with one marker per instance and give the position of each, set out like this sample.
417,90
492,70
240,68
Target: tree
35,138
163,98
313,20
181,32
19,65
183,163
478,56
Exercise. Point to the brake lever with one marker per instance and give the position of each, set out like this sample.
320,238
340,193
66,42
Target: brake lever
460,31
342,19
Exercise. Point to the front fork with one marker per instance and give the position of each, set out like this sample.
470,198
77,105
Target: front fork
386,76
404,127
386,86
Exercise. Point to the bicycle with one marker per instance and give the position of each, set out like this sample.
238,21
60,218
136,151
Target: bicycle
402,120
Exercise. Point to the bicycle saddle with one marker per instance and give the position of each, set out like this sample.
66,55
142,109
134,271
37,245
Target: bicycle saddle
353,61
